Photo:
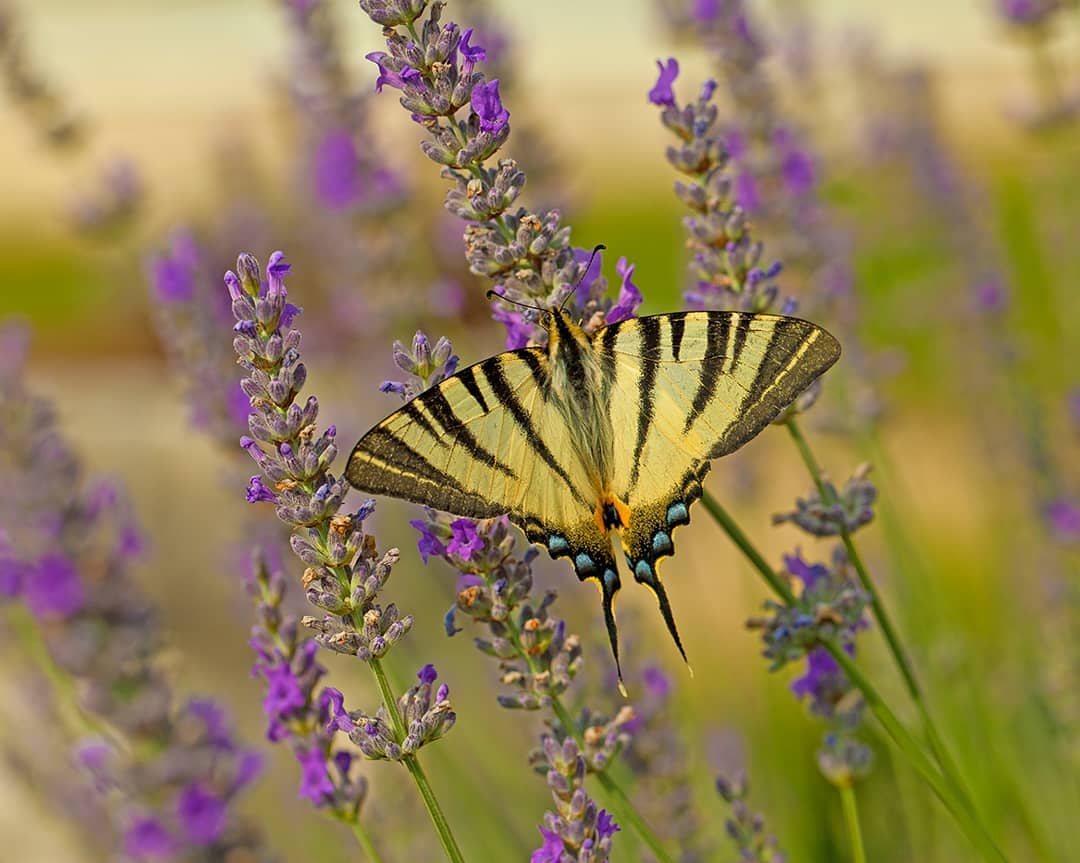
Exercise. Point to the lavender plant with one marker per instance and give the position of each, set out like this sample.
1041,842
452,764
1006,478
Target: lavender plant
746,829
344,574
169,773
726,261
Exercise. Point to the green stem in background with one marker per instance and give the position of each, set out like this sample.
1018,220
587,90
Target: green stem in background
412,764
365,841
907,744
851,821
900,735
624,807
881,615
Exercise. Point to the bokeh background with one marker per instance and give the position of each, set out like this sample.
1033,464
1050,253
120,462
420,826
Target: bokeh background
946,150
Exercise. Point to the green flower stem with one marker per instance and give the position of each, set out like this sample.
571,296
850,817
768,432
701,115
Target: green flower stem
365,842
914,752
412,764
851,821
881,615
905,742
624,807
734,532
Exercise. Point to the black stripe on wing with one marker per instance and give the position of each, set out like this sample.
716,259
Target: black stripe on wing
797,354
717,330
650,347
434,400
493,373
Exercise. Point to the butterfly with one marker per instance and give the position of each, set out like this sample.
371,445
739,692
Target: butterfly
594,434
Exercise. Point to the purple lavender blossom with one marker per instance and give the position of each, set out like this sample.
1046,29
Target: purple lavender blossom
466,542
173,274
662,93
430,545
552,849
629,295
488,106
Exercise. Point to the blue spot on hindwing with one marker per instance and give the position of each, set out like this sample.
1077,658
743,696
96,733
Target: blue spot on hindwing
643,571
558,544
611,579
661,544
583,563
677,514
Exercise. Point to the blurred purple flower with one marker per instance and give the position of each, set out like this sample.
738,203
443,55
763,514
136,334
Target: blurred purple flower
991,295
820,667
488,106
518,330
336,170
746,191
13,575
202,814
796,165
53,589
173,273
706,11
465,542
808,574
661,93
1063,516
657,683
147,839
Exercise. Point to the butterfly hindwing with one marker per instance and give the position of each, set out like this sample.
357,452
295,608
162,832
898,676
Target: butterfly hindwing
686,388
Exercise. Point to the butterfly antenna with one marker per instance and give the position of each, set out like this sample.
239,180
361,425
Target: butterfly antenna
506,299
597,249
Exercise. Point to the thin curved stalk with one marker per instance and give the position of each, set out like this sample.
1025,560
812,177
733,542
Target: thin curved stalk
851,822
412,764
365,842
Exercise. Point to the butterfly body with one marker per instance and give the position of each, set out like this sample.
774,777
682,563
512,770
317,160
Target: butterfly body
595,435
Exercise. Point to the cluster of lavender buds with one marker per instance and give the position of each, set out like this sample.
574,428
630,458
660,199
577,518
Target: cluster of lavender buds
576,832
427,714
828,609
344,572
190,311
726,261
297,709
745,828
527,254
43,106
425,365
537,657
169,774
841,511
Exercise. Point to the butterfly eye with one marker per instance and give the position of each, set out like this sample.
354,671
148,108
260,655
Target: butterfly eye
545,319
